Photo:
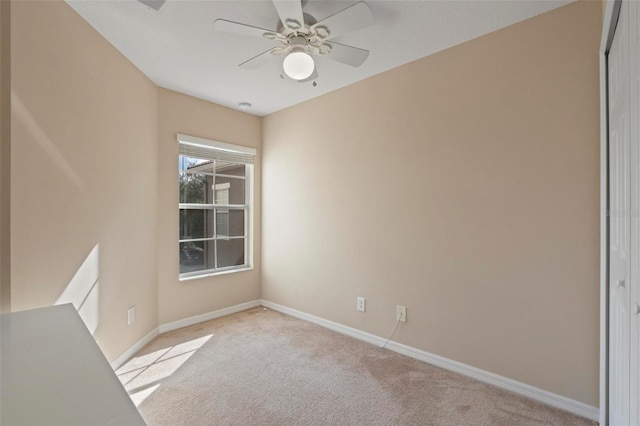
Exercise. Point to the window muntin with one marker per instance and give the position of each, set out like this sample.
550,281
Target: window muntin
214,212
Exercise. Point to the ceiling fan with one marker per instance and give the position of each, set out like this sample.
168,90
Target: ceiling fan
301,37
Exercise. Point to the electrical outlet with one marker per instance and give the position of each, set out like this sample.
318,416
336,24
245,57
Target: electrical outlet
131,315
360,304
401,313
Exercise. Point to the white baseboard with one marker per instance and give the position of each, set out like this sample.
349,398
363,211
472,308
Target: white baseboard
117,363
163,328
576,407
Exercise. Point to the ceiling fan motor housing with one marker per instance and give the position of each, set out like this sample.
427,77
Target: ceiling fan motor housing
298,43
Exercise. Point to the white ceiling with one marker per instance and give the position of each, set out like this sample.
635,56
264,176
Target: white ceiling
178,48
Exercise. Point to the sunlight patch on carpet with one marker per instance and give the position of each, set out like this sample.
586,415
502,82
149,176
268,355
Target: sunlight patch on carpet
143,375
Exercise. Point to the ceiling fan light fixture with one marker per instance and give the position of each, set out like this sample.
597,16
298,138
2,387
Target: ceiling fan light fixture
298,65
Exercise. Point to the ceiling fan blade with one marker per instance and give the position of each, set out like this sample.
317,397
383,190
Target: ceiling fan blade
347,20
260,59
153,4
242,29
290,13
312,77
349,55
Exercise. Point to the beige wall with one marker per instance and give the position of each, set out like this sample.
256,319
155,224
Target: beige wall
464,186
178,113
5,156
84,174
94,182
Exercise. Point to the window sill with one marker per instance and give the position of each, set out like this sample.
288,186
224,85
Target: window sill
215,274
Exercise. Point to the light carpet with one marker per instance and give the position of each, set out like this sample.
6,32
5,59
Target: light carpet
261,367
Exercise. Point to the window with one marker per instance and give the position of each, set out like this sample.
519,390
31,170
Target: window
215,181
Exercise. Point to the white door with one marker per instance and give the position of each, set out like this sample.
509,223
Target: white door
619,223
634,71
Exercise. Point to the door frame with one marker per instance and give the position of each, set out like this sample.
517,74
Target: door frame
611,12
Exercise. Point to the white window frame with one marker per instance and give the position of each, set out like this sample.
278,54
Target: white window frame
248,207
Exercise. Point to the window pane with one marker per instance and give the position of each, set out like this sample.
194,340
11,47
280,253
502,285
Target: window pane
196,256
222,223
226,168
230,252
230,189
196,223
196,188
230,222
195,185
236,223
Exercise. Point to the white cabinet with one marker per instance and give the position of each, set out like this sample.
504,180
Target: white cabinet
53,373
